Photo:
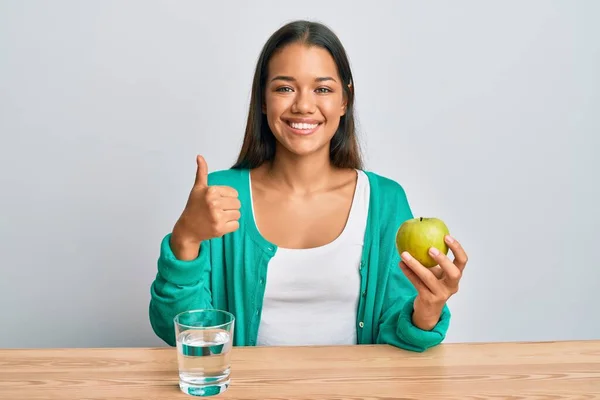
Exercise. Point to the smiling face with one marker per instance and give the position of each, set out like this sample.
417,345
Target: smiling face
304,100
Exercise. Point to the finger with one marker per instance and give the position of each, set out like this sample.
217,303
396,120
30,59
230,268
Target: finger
460,256
232,215
428,278
229,203
227,191
437,271
201,172
452,273
414,279
231,226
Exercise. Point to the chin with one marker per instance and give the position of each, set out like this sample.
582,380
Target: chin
305,149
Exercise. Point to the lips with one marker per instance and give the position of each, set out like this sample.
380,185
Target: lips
303,127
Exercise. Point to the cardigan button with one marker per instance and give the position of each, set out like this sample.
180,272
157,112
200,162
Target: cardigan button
361,324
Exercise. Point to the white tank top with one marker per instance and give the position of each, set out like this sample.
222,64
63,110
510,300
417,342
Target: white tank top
311,295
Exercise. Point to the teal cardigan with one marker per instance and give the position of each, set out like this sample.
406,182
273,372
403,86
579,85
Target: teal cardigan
230,274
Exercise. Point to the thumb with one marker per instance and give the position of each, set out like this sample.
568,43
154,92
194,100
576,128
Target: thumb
201,172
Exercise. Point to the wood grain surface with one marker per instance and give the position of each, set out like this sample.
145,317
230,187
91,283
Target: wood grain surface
550,370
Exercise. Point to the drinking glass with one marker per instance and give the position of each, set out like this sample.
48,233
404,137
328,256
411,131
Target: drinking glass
204,341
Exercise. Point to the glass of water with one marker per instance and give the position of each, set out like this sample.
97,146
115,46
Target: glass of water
204,340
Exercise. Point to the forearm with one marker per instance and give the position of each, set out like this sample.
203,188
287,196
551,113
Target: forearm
167,300
426,316
182,248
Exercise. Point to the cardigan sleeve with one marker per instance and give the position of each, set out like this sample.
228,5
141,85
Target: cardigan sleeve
179,286
396,326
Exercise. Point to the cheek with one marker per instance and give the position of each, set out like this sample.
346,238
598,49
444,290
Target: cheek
275,106
332,106
332,109
270,108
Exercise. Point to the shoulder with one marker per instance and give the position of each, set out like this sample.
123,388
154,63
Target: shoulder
389,200
236,178
385,187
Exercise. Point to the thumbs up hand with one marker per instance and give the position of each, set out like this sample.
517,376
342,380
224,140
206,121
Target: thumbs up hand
210,212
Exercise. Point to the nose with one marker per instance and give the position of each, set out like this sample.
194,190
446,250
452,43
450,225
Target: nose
304,103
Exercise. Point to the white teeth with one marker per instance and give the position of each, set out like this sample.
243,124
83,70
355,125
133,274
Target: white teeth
303,126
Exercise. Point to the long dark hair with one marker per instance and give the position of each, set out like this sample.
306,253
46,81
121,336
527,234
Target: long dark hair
259,142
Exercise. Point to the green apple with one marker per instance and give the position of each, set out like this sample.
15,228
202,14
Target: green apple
417,235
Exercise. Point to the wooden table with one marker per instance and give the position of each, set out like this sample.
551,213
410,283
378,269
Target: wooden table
553,370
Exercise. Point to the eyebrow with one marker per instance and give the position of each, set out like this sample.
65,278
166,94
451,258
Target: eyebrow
291,79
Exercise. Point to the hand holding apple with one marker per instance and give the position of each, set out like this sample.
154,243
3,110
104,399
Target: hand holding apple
417,235
423,244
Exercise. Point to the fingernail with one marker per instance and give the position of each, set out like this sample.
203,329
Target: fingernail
406,256
449,239
434,252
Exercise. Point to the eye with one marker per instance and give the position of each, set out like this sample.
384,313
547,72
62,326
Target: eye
324,90
284,89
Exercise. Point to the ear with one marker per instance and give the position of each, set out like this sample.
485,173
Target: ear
345,100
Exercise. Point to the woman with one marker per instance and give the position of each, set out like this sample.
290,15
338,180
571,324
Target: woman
296,239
